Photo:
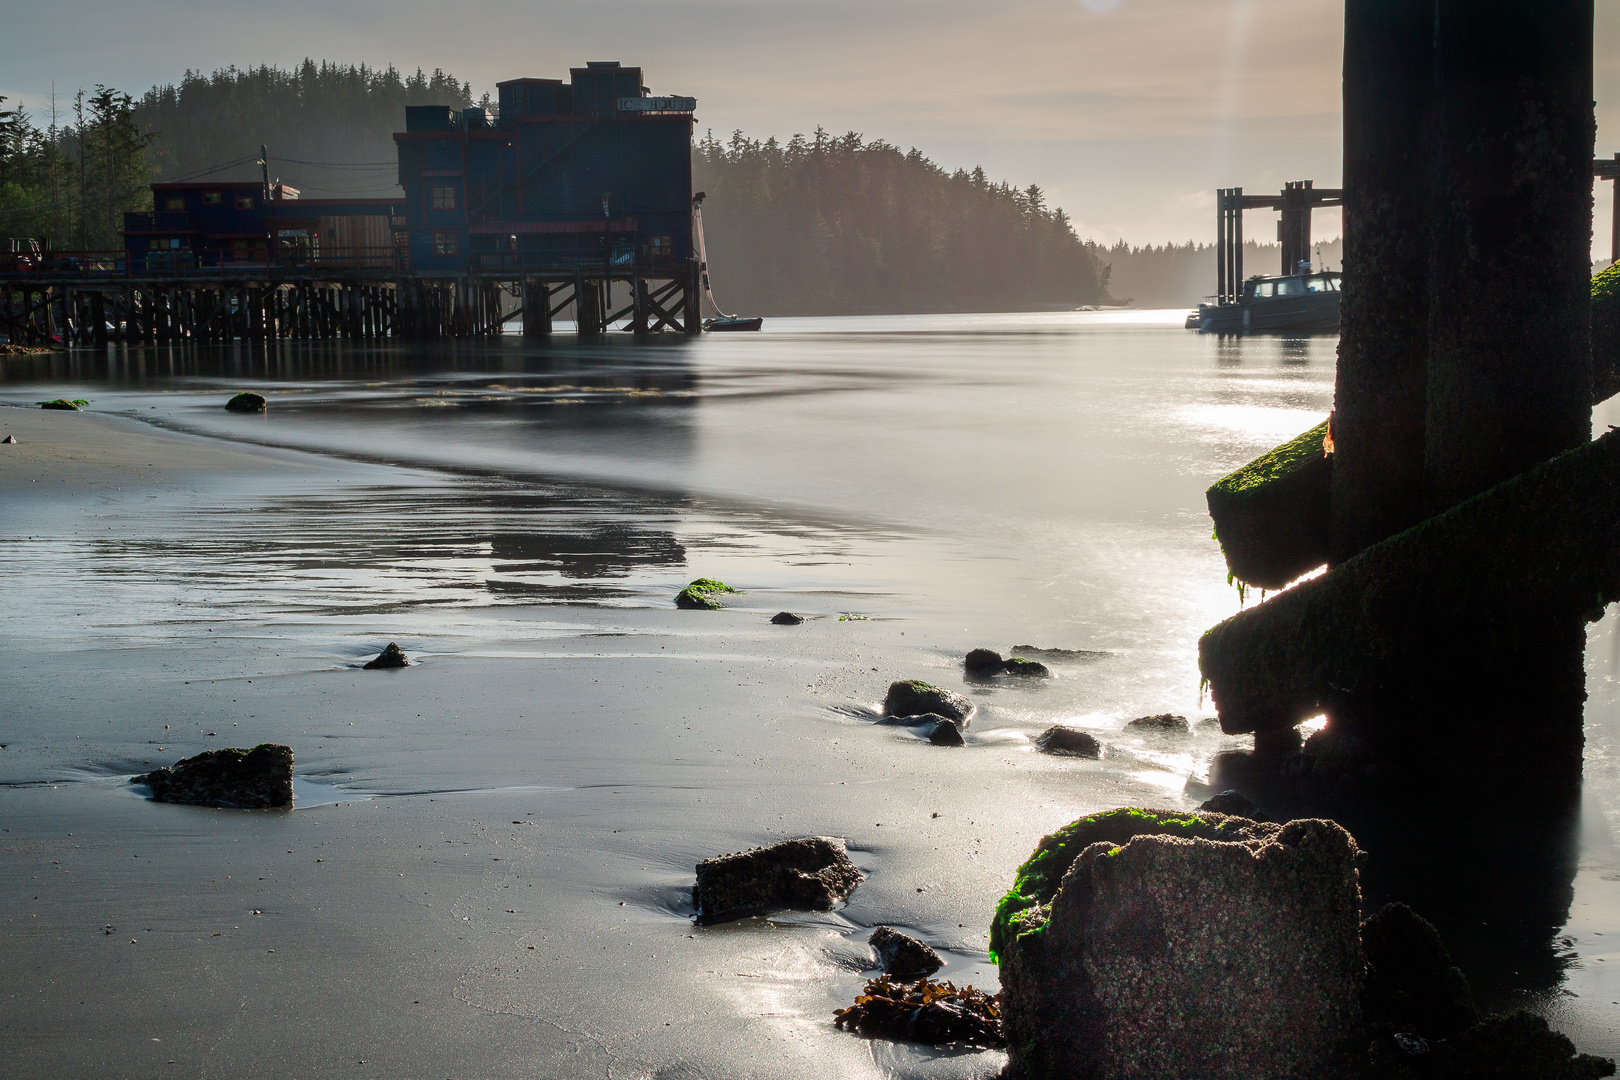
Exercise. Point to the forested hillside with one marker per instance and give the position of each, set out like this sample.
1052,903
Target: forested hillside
1180,275
329,127
825,225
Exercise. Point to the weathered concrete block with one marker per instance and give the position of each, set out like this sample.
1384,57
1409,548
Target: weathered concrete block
1273,516
1147,944
1478,584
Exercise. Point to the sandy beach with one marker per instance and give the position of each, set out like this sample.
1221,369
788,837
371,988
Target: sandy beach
488,869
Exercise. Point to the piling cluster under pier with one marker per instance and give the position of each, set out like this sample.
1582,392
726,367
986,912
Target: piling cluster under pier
88,307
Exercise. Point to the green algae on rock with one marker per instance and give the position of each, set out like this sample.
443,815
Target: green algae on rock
1142,943
1273,516
1028,669
1606,334
1387,620
64,404
703,594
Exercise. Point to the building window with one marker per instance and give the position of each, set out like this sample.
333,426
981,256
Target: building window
174,204
444,198
244,202
660,247
444,243
211,198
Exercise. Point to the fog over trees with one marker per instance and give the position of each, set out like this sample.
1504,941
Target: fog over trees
816,224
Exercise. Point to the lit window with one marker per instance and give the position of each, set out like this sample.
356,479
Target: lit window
174,204
444,243
444,198
244,202
211,198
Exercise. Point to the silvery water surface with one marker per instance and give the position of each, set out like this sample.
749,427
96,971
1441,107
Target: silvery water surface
519,516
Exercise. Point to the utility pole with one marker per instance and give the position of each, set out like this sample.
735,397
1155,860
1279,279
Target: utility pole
264,164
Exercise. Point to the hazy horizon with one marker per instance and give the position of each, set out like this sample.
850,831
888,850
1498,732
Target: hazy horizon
1128,113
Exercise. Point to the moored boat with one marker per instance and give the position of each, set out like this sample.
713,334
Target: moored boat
1302,302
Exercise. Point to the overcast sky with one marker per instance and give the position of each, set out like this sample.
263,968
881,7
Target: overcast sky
1129,113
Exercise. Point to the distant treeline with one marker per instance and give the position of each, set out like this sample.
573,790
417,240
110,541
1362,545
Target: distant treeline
817,224
70,181
838,225
311,119
1180,275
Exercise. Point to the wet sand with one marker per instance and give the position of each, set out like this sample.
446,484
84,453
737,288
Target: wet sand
488,870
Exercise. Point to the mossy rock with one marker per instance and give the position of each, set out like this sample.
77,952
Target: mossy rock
913,697
703,594
1028,669
64,405
1022,911
247,402
1273,517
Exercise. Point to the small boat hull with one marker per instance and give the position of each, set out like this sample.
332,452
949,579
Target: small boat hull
1301,304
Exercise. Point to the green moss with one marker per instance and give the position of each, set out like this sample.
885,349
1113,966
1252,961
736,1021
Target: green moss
1606,287
64,404
703,594
1022,911
1275,464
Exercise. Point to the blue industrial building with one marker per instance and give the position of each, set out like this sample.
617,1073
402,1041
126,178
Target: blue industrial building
592,174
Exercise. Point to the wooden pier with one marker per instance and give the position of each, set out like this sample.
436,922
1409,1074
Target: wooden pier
70,300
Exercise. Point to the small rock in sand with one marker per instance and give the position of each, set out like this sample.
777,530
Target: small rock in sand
927,719
702,594
902,955
1028,669
1068,741
811,873
1229,802
984,662
787,618
913,696
9,439
946,733
253,779
247,402
391,657
1161,722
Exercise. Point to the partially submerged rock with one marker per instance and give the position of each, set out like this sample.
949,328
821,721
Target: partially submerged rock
1411,983
64,404
919,720
902,955
946,733
255,779
1160,722
811,873
937,1014
1068,741
785,618
703,594
912,697
391,657
1150,943
984,662
247,402
1518,1046
1028,669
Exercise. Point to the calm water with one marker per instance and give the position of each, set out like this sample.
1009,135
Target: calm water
954,481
